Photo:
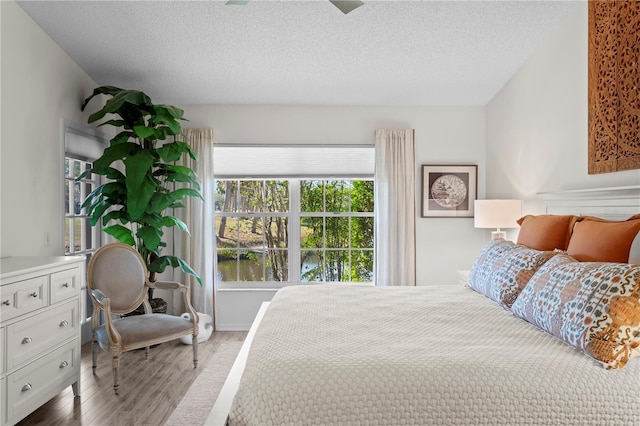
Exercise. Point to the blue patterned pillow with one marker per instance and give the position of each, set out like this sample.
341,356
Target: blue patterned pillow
503,269
592,306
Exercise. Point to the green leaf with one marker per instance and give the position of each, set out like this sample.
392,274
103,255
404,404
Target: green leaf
122,137
150,237
175,173
140,185
184,179
120,215
84,174
97,210
143,131
101,191
174,168
173,112
114,105
162,201
187,192
169,221
151,219
161,263
115,174
114,123
170,152
168,116
121,234
102,90
112,154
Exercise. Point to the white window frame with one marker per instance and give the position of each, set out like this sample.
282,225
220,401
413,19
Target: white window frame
90,242
325,215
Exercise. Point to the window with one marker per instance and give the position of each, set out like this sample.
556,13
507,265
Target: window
252,230
289,214
294,230
82,147
336,230
80,236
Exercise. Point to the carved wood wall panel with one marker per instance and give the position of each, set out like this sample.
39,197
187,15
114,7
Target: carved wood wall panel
614,86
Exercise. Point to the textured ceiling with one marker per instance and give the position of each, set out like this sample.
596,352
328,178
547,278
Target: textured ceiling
301,52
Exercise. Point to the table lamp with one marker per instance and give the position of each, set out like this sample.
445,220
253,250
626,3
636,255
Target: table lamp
497,214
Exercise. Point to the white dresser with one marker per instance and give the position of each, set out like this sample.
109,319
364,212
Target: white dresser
40,331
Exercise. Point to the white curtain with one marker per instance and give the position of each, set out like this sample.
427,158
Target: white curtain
198,249
395,207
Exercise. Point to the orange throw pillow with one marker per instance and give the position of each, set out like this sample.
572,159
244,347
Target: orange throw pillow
600,240
546,232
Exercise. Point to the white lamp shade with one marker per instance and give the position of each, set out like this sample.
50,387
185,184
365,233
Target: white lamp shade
497,213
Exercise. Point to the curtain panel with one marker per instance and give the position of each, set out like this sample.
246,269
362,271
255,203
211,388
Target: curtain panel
395,207
198,248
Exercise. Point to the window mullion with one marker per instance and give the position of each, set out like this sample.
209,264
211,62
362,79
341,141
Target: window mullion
294,231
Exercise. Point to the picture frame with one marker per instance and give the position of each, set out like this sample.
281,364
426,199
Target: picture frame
449,190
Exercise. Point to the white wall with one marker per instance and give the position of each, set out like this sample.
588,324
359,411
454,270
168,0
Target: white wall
537,124
41,87
444,135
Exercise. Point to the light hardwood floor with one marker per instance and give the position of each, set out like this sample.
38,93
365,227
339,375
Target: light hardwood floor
149,390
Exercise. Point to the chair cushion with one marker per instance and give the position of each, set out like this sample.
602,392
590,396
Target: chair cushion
138,331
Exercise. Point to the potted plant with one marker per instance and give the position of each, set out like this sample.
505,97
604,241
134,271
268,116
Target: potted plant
141,173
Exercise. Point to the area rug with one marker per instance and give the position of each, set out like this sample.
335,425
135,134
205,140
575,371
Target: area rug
199,399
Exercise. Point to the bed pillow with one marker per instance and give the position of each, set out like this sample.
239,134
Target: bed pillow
592,306
600,240
546,232
502,269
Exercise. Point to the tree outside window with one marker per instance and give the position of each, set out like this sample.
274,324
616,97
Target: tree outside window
294,230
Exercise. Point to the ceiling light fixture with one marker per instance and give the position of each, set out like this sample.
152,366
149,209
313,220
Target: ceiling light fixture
345,6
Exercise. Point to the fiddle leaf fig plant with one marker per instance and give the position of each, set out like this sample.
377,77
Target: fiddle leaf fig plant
141,175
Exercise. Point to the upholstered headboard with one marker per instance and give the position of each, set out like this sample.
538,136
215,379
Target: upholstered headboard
617,203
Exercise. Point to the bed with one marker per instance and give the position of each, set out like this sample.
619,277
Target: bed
441,355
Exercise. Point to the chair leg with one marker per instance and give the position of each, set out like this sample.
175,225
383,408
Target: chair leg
94,355
116,383
195,351
146,352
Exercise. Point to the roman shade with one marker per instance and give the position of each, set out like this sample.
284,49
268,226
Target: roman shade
315,161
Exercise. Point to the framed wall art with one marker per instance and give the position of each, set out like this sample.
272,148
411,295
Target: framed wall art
448,191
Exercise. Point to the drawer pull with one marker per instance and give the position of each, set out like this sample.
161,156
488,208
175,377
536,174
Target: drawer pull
64,364
64,323
65,285
34,294
26,387
26,340
6,303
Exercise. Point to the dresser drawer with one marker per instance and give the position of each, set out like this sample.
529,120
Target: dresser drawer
64,285
32,336
23,297
35,384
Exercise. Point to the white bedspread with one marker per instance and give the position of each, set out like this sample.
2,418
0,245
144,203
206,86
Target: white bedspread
338,355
